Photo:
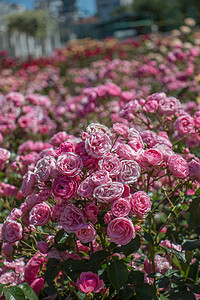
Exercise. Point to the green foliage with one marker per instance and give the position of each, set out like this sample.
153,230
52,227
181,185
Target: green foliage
20,292
34,23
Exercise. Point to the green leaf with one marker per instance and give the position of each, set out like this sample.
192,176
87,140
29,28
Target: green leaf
163,297
193,214
51,274
145,292
28,291
126,292
74,267
13,293
188,256
194,288
136,277
81,295
148,238
197,192
117,274
1,288
131,247
184,295
52,262
179,255
98,258
61,237
191,245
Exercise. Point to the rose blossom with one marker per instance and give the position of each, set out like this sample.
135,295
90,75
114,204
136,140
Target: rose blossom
42,246
130,172
44,168
86,233
70,164
4,155
121,231
184,124
32,268
37,285
89,283
64,187
72,218
120,207
168,106
91,211
194,170
96,127
111,164
126,151
98,144
100,177
178,166
120,129
40,214
11,231
86,188
108,192
140,204
29,180
153,156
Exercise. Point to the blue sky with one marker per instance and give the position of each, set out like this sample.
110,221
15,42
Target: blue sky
88,6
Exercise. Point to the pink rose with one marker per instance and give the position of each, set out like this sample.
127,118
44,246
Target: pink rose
126,151
44,168
153,156
151,106
33,199
98,144
108,192
11,231
100,177
130,172
184,124
70,164
72,218
120,129
121,231
43,247
156,96
96,127
91,211
120,207
111,164
40,214
113,89
4,155
32,268
178,166
64,187
86,188
88,160
86,233
140,204
58,138
65,147
29,180
194,170
89,283
14,214
168,106
37,285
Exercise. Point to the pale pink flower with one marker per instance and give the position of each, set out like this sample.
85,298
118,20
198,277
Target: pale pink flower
89,283
121,231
